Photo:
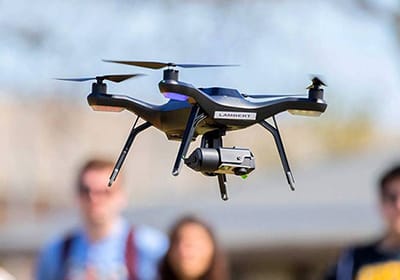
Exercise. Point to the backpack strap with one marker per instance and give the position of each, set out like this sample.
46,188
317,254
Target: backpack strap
345,265
354,258
65,251
130,256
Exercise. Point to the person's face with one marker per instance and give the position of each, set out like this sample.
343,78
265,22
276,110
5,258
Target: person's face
191,255
100,205
390,205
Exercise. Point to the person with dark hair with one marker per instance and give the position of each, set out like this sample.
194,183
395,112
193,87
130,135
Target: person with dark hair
193,253
379,259
105,246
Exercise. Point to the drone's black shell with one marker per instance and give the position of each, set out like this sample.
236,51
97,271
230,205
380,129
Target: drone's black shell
172,116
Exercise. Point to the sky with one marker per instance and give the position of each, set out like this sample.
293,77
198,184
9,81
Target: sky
278,44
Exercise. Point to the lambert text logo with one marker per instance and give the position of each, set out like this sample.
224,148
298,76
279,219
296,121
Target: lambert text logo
234,115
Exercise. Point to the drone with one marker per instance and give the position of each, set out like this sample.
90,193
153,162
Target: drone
207,112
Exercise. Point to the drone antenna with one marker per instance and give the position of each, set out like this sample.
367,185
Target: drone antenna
135,131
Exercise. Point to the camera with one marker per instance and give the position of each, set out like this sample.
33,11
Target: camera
212,161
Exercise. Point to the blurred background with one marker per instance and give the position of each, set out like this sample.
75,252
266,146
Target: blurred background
269,232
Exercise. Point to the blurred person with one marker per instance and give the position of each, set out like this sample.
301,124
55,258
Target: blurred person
105,246
193,253
5,275
379,259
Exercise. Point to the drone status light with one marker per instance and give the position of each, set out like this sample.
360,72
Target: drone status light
307,113
175,96
107,108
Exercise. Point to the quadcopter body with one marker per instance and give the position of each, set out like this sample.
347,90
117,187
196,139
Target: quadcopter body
209,112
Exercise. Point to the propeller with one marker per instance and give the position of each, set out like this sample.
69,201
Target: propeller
269,95
160,65
113,78
316,82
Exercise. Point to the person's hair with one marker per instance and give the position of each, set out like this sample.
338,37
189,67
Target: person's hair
92,164
387,177
217,270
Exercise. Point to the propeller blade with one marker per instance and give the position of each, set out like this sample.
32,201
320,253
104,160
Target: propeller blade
113,78
145,64
121,77
159,65
75,79
206,65
316,82
270,95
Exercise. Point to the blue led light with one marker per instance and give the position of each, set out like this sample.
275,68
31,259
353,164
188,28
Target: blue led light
175,96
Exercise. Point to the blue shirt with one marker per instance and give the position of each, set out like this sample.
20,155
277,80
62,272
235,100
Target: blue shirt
105,258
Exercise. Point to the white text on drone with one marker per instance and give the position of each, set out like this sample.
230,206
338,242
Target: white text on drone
234,115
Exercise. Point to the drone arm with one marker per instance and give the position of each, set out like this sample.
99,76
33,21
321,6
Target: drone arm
279,144
146,111
135,131
192,94
196,115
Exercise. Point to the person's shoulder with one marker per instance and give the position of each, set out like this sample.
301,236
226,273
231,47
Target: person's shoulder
150,239
351,258
365,248
55,244
148,234
49,258
358,252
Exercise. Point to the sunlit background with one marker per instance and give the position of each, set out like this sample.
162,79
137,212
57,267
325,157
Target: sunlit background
269,232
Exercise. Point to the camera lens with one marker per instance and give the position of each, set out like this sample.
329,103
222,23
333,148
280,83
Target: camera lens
203,159
240,171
